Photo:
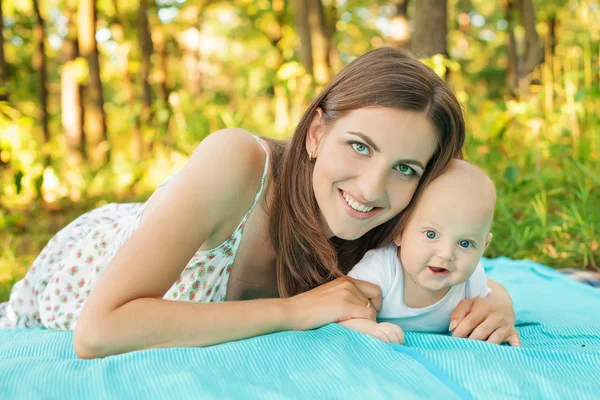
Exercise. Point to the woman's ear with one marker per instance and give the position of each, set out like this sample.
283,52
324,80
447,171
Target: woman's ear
315,133
488,239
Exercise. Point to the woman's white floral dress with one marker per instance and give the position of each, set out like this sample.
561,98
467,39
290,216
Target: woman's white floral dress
55,288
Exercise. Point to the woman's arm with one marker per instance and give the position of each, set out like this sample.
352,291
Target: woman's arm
146,323
492,318
126,312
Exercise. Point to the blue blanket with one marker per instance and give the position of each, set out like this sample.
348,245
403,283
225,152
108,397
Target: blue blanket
558,319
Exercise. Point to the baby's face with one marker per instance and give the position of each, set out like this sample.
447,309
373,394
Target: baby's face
448,231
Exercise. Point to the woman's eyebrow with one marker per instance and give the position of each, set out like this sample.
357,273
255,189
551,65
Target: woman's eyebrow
371,143
413,162
367,139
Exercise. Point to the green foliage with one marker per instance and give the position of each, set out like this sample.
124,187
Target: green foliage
548,201
540,148
21,161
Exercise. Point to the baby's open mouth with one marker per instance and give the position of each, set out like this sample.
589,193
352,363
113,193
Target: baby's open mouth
438,270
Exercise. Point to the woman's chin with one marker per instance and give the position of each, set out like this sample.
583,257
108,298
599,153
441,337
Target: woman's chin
346,229
348,234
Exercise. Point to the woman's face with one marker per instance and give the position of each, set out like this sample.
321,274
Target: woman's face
367,167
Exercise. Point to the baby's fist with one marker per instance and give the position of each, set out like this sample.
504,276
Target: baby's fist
393,333
384,331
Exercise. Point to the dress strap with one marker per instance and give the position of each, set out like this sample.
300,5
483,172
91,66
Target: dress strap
262,181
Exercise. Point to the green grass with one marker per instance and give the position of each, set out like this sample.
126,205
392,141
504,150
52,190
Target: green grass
553,220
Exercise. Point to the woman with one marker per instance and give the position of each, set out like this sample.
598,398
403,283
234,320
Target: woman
385,126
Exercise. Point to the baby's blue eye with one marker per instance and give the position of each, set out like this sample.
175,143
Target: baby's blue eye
465,244
430,234
405,169
360,148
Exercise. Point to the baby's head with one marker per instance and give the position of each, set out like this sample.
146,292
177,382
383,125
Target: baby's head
449,227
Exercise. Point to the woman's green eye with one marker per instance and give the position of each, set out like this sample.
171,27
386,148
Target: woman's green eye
405,169
360,148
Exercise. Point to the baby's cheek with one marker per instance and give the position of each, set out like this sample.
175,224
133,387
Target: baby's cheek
410,254
470,268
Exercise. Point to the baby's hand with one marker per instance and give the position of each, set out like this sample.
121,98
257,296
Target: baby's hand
384,331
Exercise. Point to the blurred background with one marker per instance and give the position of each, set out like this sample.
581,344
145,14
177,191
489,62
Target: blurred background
102,100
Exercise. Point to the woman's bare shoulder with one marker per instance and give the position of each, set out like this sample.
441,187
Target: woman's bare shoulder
225,169
234,149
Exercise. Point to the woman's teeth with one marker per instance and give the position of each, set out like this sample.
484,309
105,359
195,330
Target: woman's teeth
355,205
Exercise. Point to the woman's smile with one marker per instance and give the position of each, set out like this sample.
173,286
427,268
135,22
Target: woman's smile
356,209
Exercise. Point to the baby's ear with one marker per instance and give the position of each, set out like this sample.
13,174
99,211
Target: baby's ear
488,239
398,239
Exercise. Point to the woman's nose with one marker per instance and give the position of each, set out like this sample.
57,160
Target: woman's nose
372,184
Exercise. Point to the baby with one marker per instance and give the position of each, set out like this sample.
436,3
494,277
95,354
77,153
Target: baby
434,263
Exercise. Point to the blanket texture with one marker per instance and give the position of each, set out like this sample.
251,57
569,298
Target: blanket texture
558,319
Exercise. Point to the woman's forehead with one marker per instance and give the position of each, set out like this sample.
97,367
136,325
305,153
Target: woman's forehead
394,131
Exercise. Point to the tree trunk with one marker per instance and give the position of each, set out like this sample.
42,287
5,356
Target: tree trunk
145,41
513,64
118,32
534,54
319,41
430,28
400,34
335,63
88,48
3,72
158,39
39,64
72,114
552,34
303,29
282,107
513,70
521,65
164,90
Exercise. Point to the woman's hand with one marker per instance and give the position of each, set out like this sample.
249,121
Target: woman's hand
335,301
491,319
384,331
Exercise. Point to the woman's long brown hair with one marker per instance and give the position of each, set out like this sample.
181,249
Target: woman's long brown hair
384,77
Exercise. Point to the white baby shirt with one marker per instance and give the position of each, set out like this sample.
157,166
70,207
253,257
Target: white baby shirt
383,268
